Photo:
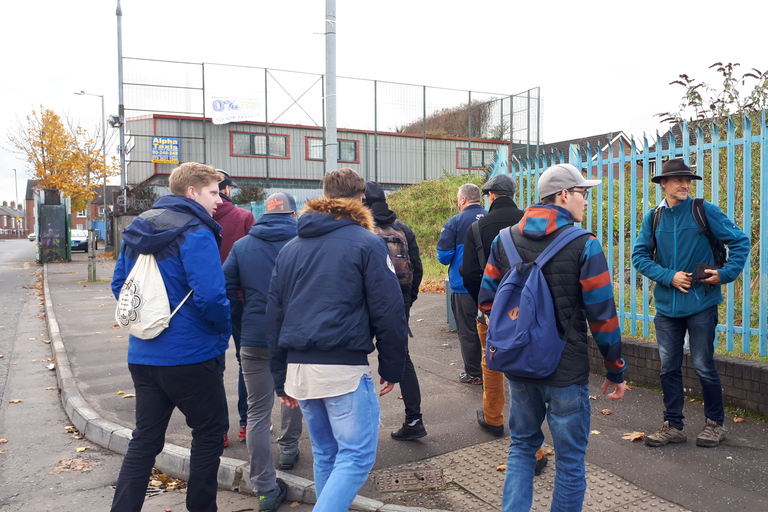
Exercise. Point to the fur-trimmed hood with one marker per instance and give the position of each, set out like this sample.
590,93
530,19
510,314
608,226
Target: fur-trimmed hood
325,214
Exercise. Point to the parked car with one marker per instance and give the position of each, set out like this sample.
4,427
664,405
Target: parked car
79,240
32,237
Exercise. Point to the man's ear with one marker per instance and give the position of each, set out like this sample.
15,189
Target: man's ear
191,192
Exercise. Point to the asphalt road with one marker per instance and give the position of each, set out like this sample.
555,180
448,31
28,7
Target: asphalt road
41,469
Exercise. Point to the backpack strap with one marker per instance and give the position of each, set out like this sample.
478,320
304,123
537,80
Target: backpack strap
505,235
654,225
697,210
478,244
564,238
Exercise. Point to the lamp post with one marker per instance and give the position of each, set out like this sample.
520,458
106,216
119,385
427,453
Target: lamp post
16,193
88,224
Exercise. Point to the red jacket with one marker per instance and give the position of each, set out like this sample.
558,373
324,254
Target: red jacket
235,224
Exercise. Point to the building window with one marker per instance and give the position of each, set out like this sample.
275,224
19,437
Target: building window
255,144
81,214
349,150
101,211
481,158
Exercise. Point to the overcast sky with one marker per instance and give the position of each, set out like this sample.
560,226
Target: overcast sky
602,66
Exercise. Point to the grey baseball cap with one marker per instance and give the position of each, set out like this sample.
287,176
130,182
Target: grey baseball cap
501,183
280,202
562,176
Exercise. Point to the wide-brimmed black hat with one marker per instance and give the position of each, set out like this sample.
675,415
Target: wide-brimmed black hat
674,169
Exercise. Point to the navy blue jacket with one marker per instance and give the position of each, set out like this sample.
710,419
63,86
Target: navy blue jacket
333,289
185,241
450,247
249,267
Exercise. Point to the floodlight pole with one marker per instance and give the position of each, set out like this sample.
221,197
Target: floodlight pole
332,144
121,106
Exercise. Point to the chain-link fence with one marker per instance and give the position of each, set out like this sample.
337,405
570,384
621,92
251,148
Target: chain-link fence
390,132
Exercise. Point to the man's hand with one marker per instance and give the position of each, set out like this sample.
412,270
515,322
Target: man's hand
682,281
388,386
618,393
714,277
289,401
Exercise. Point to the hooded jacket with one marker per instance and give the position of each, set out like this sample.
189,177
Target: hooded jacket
333,289
680,247
235,223
249,268
580,284
383,217
185,241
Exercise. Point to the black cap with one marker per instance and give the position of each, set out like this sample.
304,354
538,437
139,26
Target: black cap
227,181
674,169
500,184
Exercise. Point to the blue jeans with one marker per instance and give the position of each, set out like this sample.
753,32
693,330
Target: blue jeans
344,431
670,336
198,391
567,411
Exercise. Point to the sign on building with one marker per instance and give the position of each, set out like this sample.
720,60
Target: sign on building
165,150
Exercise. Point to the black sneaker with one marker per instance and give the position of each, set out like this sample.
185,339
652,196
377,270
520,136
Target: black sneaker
496,430
288,460
540,465
410,432
270,501
466,378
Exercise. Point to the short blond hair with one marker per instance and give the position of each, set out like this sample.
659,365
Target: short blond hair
192,174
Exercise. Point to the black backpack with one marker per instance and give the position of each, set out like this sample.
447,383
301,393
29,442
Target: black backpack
697,210
398,253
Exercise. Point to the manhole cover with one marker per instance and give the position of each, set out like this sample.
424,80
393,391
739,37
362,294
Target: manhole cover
410,480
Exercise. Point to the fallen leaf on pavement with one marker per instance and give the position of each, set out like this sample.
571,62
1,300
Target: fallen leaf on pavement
116,326
30,339
633,436
628,387
549,452
3,451
420,320
738,420
606,411
15,401
129,395
1,356
71,465
3,441
50,388
295,504
503,467
77,436
121,392
118,336
595,432
592,397
51,366
82,448
70,428
47,342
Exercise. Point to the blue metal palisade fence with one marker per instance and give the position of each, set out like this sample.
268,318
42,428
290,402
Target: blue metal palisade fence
732,157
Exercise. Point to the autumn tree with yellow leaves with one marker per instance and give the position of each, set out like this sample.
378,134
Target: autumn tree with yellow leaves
63,157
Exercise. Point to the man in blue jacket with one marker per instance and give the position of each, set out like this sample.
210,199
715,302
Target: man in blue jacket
249,268
450,251
333,289
182,366
684,304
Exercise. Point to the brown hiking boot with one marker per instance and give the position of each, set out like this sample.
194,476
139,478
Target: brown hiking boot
666,434
711,436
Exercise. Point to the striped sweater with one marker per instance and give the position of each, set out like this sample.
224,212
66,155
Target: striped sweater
539,221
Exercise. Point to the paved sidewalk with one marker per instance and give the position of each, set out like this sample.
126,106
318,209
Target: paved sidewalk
621,475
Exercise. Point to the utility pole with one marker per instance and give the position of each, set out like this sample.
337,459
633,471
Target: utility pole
121,106
331,141
88,219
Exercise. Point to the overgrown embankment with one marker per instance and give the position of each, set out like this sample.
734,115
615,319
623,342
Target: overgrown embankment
425,208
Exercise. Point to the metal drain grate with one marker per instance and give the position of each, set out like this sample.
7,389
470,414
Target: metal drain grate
410,480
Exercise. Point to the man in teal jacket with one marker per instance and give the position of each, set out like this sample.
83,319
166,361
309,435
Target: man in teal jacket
684,303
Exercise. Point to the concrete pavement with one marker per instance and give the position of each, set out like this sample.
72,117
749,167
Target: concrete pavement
622,475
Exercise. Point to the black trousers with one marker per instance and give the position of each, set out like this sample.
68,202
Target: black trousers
198,391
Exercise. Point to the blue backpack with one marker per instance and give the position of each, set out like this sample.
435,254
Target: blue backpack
522,333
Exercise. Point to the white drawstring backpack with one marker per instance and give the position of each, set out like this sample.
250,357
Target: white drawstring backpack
143,308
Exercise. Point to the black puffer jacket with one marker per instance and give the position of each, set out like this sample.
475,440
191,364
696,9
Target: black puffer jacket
502,213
